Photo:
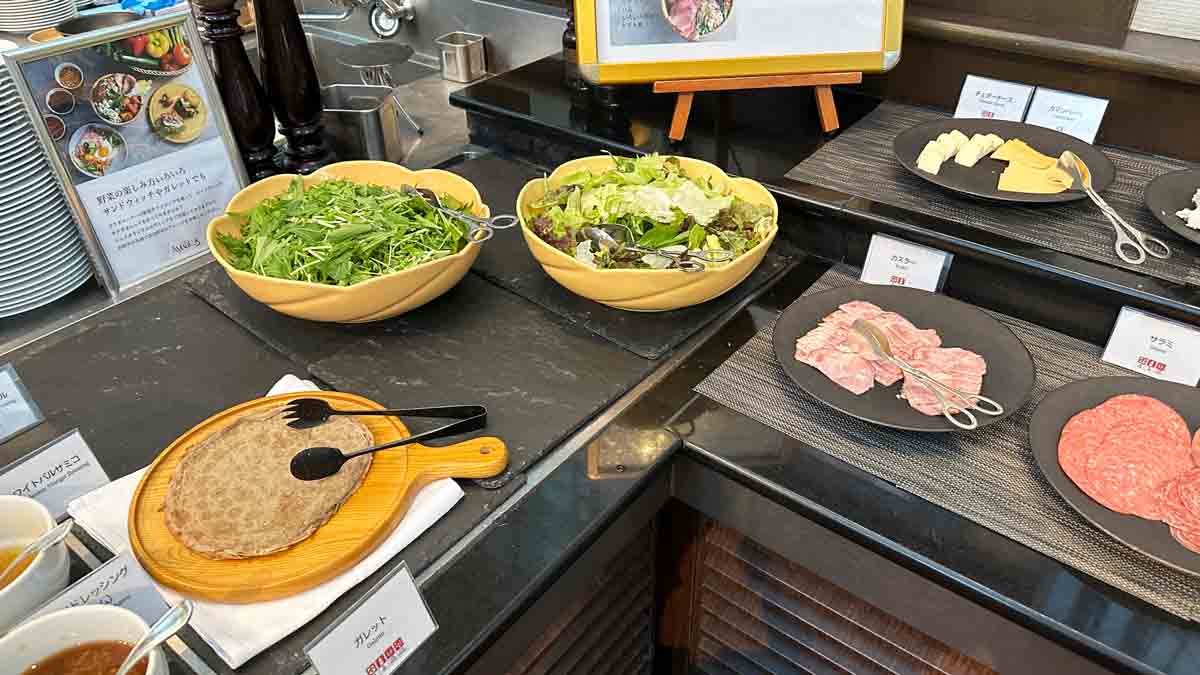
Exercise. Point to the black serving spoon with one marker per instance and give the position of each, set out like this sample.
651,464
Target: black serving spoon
323,461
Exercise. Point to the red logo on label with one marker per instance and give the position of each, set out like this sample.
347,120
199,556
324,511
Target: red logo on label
390,652
1152,364
898,281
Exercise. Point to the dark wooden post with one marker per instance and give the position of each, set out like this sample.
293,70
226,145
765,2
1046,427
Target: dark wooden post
245,101
291,82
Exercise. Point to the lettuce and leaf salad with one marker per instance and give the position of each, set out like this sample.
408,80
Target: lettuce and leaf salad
660,205
341,233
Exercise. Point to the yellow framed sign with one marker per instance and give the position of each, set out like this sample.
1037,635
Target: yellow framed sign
626,41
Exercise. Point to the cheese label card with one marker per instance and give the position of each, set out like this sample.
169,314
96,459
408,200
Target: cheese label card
990,99
895,262
120,582
380,632
56,473
1073,114
1154,346
18,412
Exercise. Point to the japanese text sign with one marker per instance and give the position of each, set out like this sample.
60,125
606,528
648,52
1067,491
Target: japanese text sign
1155,346
18,411
990,99
380,632
56,473
120,582
146,155
895,262
1072,114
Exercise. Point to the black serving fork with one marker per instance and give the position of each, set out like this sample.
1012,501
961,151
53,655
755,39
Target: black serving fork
323,461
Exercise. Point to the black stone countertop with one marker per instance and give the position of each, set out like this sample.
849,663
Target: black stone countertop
508,568
762,134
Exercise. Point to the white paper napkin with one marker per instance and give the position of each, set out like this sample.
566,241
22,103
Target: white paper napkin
239,632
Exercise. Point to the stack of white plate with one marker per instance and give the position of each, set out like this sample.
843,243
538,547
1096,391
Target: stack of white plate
27,16
42,256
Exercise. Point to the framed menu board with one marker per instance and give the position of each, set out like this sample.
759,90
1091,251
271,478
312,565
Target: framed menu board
134,127
624,41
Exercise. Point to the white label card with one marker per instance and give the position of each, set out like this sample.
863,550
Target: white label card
1154,346
380,632
989,99
56,473
1073,114
895,262
18,412
120,582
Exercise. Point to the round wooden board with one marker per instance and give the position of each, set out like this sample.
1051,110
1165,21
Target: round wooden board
361,524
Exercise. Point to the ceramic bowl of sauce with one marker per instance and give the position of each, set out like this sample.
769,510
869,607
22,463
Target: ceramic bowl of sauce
21,521
87,640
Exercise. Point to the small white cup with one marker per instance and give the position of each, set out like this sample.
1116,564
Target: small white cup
21,521
45,636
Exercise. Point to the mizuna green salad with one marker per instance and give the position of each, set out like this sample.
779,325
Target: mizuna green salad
340,232
662,207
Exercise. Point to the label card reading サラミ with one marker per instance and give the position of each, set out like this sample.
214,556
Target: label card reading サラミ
377,634
990,99
1154,346
895,262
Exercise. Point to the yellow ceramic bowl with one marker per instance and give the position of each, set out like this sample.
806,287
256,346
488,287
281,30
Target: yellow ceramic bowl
646,290
379,298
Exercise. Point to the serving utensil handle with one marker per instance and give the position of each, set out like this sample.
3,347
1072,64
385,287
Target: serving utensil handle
475,458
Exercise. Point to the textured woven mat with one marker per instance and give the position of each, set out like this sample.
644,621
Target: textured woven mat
989,476
860,162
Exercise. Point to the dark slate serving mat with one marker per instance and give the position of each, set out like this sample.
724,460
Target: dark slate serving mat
540,378
135,376
860,162
506,261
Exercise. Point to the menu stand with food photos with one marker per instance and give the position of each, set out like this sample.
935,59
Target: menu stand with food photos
132,122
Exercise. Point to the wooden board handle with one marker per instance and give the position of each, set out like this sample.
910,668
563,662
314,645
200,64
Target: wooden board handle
475,458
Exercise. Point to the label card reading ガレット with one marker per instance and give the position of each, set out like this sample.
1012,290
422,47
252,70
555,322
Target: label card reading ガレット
982,97
378,633
18,412
1158,347
895,262
1073,114
120,582
55,473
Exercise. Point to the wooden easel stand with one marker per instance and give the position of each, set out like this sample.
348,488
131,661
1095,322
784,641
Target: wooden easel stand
822,84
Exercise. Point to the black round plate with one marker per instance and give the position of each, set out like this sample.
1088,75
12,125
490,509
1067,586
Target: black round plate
981,179
1010,367
1170,193
1148,537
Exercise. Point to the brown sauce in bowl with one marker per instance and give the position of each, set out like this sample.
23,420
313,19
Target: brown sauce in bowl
89,658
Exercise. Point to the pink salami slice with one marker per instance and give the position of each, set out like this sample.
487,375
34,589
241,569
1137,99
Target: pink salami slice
1188,539
1080,437
1196,449
1189,493
1123,474
1151,411
1171,507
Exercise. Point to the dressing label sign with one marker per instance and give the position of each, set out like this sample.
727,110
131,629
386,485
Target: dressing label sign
1154,346
120,582
380,632
18,412
894,262
56,473
985,98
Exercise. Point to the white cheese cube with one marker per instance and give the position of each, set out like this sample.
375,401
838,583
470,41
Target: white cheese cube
930,159
960,139
972,152
994,142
